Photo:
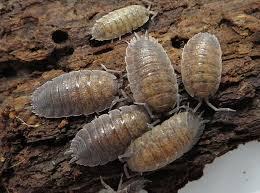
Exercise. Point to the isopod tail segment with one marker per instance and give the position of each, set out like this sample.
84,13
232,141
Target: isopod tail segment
211,106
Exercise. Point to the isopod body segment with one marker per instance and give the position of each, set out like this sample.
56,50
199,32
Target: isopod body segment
150,73
119,22
201,67
164,143
106,137
75,93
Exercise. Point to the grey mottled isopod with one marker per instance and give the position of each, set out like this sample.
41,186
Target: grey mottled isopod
150,73
164,143
119,22
132,186
75,93
106,137
201,68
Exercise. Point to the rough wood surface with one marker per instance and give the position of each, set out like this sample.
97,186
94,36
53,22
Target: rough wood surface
41,39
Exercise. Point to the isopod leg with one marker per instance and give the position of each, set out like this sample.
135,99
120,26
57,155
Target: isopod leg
178,101
73,160
129,96
125,155
24,123
153,13
147,108
124,95
137,36
126,42
120,183
111,71
198,106
151,125
218,109
68,152
105,185
126,172
118,100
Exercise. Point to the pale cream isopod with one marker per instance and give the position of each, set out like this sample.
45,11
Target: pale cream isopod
121,21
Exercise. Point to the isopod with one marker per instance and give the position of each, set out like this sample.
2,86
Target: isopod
119,22
75,93
164,143
132,186
151,76
201,68
106,137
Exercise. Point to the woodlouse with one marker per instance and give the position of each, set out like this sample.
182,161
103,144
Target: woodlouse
106,137
119,22
131,186
150,73
164,143
75,93
201,68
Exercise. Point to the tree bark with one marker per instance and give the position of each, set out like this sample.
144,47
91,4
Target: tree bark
41,39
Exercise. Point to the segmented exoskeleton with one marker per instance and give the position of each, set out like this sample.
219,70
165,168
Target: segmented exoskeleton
75,93
164,143
106,137
150,73
201,68
121,21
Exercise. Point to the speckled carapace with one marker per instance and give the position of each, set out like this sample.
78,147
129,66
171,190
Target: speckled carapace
119,22
150,73
201,68
165,142
75,93
106,137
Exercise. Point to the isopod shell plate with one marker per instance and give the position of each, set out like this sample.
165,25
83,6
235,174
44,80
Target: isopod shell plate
164,143
106,137
75,93
119,22
201,65
150,73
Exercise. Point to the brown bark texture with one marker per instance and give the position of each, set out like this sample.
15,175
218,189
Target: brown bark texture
41,39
